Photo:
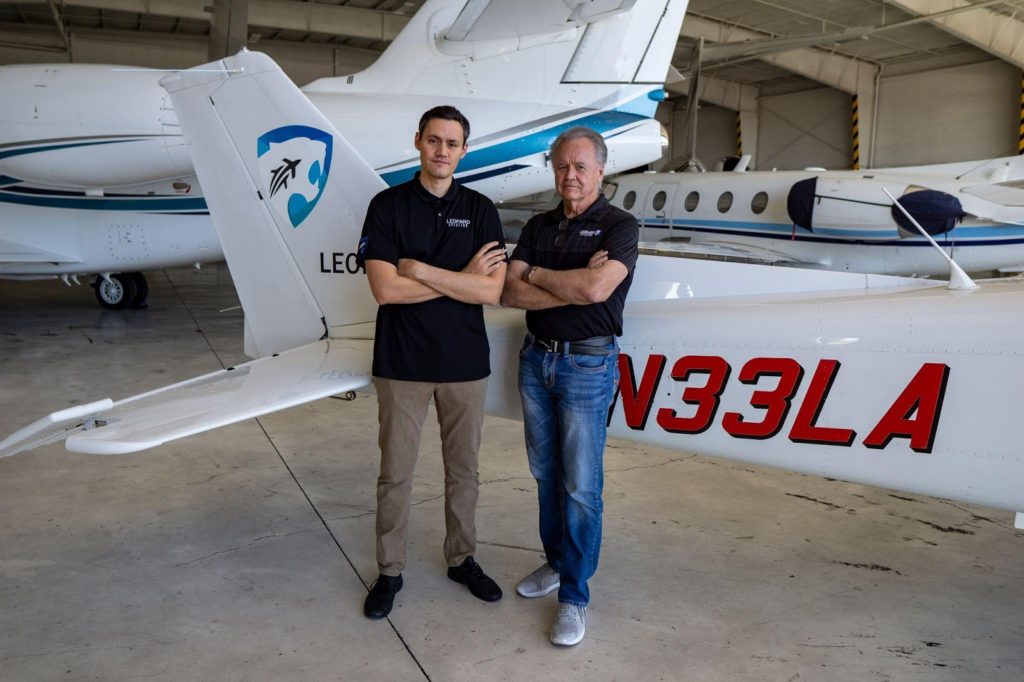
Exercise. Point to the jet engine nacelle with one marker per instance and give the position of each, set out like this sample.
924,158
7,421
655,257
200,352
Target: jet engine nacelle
53,118
858,208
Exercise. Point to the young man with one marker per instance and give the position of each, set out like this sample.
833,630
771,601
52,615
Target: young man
434,253
571,270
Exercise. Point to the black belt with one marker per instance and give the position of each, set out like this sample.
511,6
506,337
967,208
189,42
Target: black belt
592,346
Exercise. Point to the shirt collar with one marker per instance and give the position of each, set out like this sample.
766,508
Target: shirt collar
422,192
593,211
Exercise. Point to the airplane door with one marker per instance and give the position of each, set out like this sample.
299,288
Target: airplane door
656,211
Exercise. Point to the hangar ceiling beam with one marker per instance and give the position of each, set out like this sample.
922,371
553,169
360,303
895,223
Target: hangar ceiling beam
59,21
229,28
854,76
287,15
998,34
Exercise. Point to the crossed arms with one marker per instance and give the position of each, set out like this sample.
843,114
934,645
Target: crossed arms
535,288
414,282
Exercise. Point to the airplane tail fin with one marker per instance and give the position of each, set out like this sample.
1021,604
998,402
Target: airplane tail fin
530,50
254,135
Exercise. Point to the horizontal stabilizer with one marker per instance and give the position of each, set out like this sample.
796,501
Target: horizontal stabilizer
1003,193
53,427
294,377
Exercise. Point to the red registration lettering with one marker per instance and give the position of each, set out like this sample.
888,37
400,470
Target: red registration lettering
705,397
637,402
915,414
805,426
776,402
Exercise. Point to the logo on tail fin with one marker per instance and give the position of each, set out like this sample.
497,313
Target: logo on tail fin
294,163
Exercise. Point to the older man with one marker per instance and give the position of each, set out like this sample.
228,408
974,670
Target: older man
571,271
434,254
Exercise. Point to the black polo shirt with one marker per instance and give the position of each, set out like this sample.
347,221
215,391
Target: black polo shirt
602,226
440,340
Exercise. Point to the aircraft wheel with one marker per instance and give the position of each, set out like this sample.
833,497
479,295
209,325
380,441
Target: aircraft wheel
117,292
141,290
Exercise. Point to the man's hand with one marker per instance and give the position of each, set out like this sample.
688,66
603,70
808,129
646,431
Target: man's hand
407,267
485,261
597,260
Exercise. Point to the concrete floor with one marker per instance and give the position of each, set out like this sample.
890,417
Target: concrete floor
244,554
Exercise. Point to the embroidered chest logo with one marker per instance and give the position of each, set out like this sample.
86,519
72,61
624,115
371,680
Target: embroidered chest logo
590,233
461,223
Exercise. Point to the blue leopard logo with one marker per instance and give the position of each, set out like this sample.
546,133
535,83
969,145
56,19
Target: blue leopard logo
294,163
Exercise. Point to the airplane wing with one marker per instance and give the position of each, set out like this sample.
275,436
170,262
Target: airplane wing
18,252
272,383
724,250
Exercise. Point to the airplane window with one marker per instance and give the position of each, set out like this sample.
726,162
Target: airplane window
692,199
610,188
759,202
659,201
724,202
629,200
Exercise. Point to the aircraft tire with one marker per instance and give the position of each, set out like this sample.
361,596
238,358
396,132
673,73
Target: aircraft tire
116,294
141,290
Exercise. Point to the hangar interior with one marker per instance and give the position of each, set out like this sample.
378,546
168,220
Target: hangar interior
957,62
245,553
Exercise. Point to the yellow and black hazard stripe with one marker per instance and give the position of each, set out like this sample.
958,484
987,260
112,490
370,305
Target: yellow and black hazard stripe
1020,138
855,134
739,134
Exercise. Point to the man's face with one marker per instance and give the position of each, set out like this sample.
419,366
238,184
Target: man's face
578,175
441,147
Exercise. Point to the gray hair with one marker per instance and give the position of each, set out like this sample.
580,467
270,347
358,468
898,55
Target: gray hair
584,133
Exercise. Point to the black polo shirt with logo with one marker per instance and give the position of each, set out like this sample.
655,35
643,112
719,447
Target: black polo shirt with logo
441,340
602,226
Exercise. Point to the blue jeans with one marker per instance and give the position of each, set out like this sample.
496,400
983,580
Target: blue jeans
565,411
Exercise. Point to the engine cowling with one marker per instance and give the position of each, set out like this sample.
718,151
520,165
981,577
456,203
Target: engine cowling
858,208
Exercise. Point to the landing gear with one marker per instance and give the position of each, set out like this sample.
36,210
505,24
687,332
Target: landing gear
123,290
141,290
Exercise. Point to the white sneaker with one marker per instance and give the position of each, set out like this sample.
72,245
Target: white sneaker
570,625
542,581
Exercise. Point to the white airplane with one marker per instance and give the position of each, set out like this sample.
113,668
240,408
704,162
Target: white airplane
898,382
839,220
95,177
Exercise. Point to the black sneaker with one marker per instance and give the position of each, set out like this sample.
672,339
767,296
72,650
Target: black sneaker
382,596
471,575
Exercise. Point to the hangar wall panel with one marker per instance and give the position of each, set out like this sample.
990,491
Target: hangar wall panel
810,128
716,132
954,114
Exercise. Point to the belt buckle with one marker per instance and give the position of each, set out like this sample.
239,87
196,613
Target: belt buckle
549,346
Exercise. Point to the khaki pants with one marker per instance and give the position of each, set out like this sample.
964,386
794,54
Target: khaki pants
402,407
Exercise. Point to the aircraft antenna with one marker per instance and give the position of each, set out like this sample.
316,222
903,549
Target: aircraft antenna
958,279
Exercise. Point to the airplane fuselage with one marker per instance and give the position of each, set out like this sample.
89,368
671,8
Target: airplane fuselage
855,231
70,176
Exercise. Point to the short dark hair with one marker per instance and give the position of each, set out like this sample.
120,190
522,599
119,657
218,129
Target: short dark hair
582,132
449,114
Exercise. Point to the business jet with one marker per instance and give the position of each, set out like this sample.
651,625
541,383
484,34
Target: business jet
898,382
96,179
839,220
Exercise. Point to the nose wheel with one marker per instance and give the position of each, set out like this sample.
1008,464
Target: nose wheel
122,290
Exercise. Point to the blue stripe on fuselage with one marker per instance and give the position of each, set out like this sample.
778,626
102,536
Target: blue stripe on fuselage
965,235
21,151
533,143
